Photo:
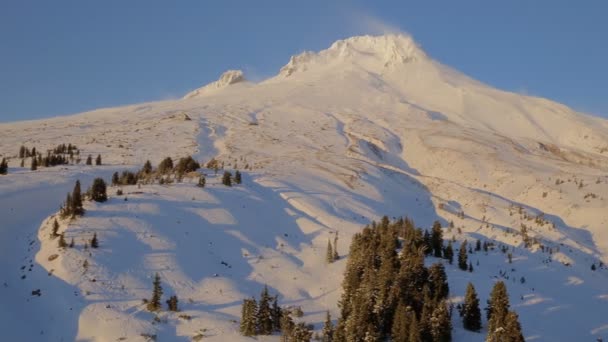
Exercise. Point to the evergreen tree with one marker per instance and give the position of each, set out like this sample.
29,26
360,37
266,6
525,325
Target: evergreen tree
437,239
187,164
335,246
287,326
300,333
237,177
478,245
264,315
98,160
71,245
54,232
61,243
147,169
77,208
34,165
276,313
328,329
248,317
498,308
439,282
89,160
441,324
115,179
471,314
165,166
157,292
513,331
401,324
201,181
3,167
227,178
329,255
94,242
414,330
98,190
448,253
172,303
463,263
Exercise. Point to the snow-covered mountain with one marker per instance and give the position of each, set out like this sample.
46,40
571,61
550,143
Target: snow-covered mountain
371,126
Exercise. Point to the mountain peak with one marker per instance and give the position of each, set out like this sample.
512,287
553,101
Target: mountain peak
228,78
383,51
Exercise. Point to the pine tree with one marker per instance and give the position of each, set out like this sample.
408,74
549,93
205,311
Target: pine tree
471,314
54,232
301,333
237,177
165,166
3,167
71,245
328,329
401,324
34,165
157,292
439,282
98,190
61,243
287,326
147,169
437,239
513,331
335,247
329,255
441,324
89,160
98,160
115,179
172,303
264,315
463,263
276,313
414,331
448,253
498,308
201,181
478,245
227,178
248,317
77,208
94,242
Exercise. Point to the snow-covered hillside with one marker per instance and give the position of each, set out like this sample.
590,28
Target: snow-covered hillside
371,126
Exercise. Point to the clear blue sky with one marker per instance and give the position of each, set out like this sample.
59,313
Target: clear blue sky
60,57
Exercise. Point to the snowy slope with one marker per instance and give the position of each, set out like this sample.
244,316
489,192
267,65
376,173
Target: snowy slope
370,126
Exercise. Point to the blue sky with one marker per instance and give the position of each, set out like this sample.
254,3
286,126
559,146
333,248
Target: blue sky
61,57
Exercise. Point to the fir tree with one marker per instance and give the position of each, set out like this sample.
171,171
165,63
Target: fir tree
34,165
300,333
498,308
478,245
328,329
89,160
439,282
115,179
77,208
165,166
401,324
329,255
157,292
147,169
71,245
512,328
463,263
94,241
61,243
264,315
437,239
248,317
3,167
276,313
287,326
98,190
98,160
441,324
54,232
414,331
227,178
237,177
448,253
201,181
172,303
471,314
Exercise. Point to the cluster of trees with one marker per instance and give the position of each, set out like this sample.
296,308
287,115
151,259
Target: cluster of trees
73,205
89,160
265,317
3,167
227,178
61,155
391,295
153,304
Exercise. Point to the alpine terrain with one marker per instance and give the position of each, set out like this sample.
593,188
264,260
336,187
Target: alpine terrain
338,139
